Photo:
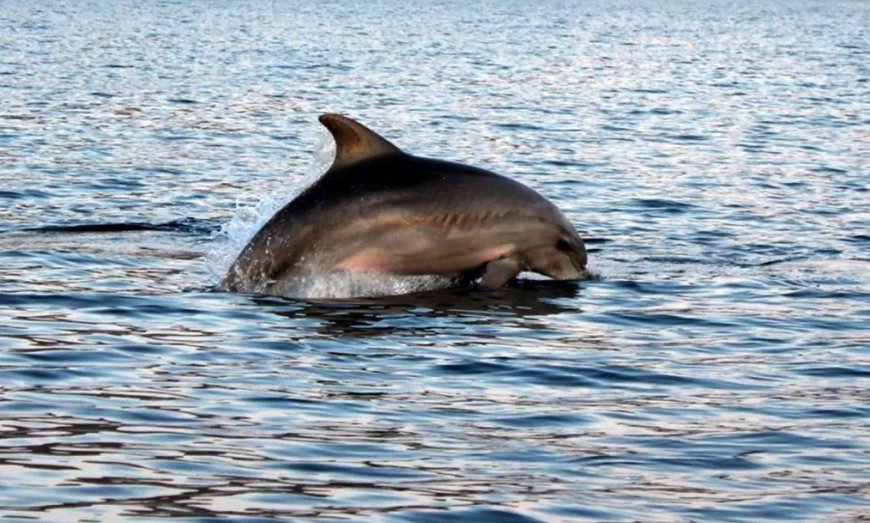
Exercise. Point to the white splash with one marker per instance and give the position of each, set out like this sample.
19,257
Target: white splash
347,284
250,218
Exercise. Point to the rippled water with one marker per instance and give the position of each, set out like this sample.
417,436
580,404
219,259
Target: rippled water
713,154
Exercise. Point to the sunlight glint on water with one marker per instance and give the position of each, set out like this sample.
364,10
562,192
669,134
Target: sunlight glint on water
713,153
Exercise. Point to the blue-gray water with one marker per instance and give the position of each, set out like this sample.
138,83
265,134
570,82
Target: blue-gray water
715,154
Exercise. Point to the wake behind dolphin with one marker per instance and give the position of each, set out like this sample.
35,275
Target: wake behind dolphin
380,211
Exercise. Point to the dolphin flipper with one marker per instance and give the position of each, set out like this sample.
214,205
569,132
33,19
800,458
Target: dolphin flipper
500,271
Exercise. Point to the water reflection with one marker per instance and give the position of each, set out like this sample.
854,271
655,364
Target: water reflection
714,373
366,316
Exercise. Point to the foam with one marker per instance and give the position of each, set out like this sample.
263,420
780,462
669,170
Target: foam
249,218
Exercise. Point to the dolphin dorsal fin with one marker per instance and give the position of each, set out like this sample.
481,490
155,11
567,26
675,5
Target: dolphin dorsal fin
354,142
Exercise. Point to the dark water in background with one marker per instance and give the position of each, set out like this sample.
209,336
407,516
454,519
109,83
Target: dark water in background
717,371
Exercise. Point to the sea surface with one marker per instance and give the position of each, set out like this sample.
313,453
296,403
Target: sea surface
713,154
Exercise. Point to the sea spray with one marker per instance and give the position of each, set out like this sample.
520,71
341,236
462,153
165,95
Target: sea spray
249,218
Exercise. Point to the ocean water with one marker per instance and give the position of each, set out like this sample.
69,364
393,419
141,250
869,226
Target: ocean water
714,155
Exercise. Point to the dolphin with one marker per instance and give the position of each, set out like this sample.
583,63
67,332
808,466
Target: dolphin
378,209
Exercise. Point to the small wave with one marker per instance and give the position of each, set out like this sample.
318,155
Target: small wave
670,206
191,225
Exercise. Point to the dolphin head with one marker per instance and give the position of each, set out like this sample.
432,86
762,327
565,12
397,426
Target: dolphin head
564,259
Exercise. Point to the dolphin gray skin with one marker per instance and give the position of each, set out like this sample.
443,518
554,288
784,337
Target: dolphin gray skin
380,210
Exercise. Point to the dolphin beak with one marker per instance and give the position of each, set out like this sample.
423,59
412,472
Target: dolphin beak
578,260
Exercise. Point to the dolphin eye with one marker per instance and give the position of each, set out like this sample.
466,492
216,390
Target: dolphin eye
563,246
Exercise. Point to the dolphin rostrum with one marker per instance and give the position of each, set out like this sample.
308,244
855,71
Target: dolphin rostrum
380,210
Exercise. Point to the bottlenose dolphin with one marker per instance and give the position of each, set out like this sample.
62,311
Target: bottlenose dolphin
380,210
